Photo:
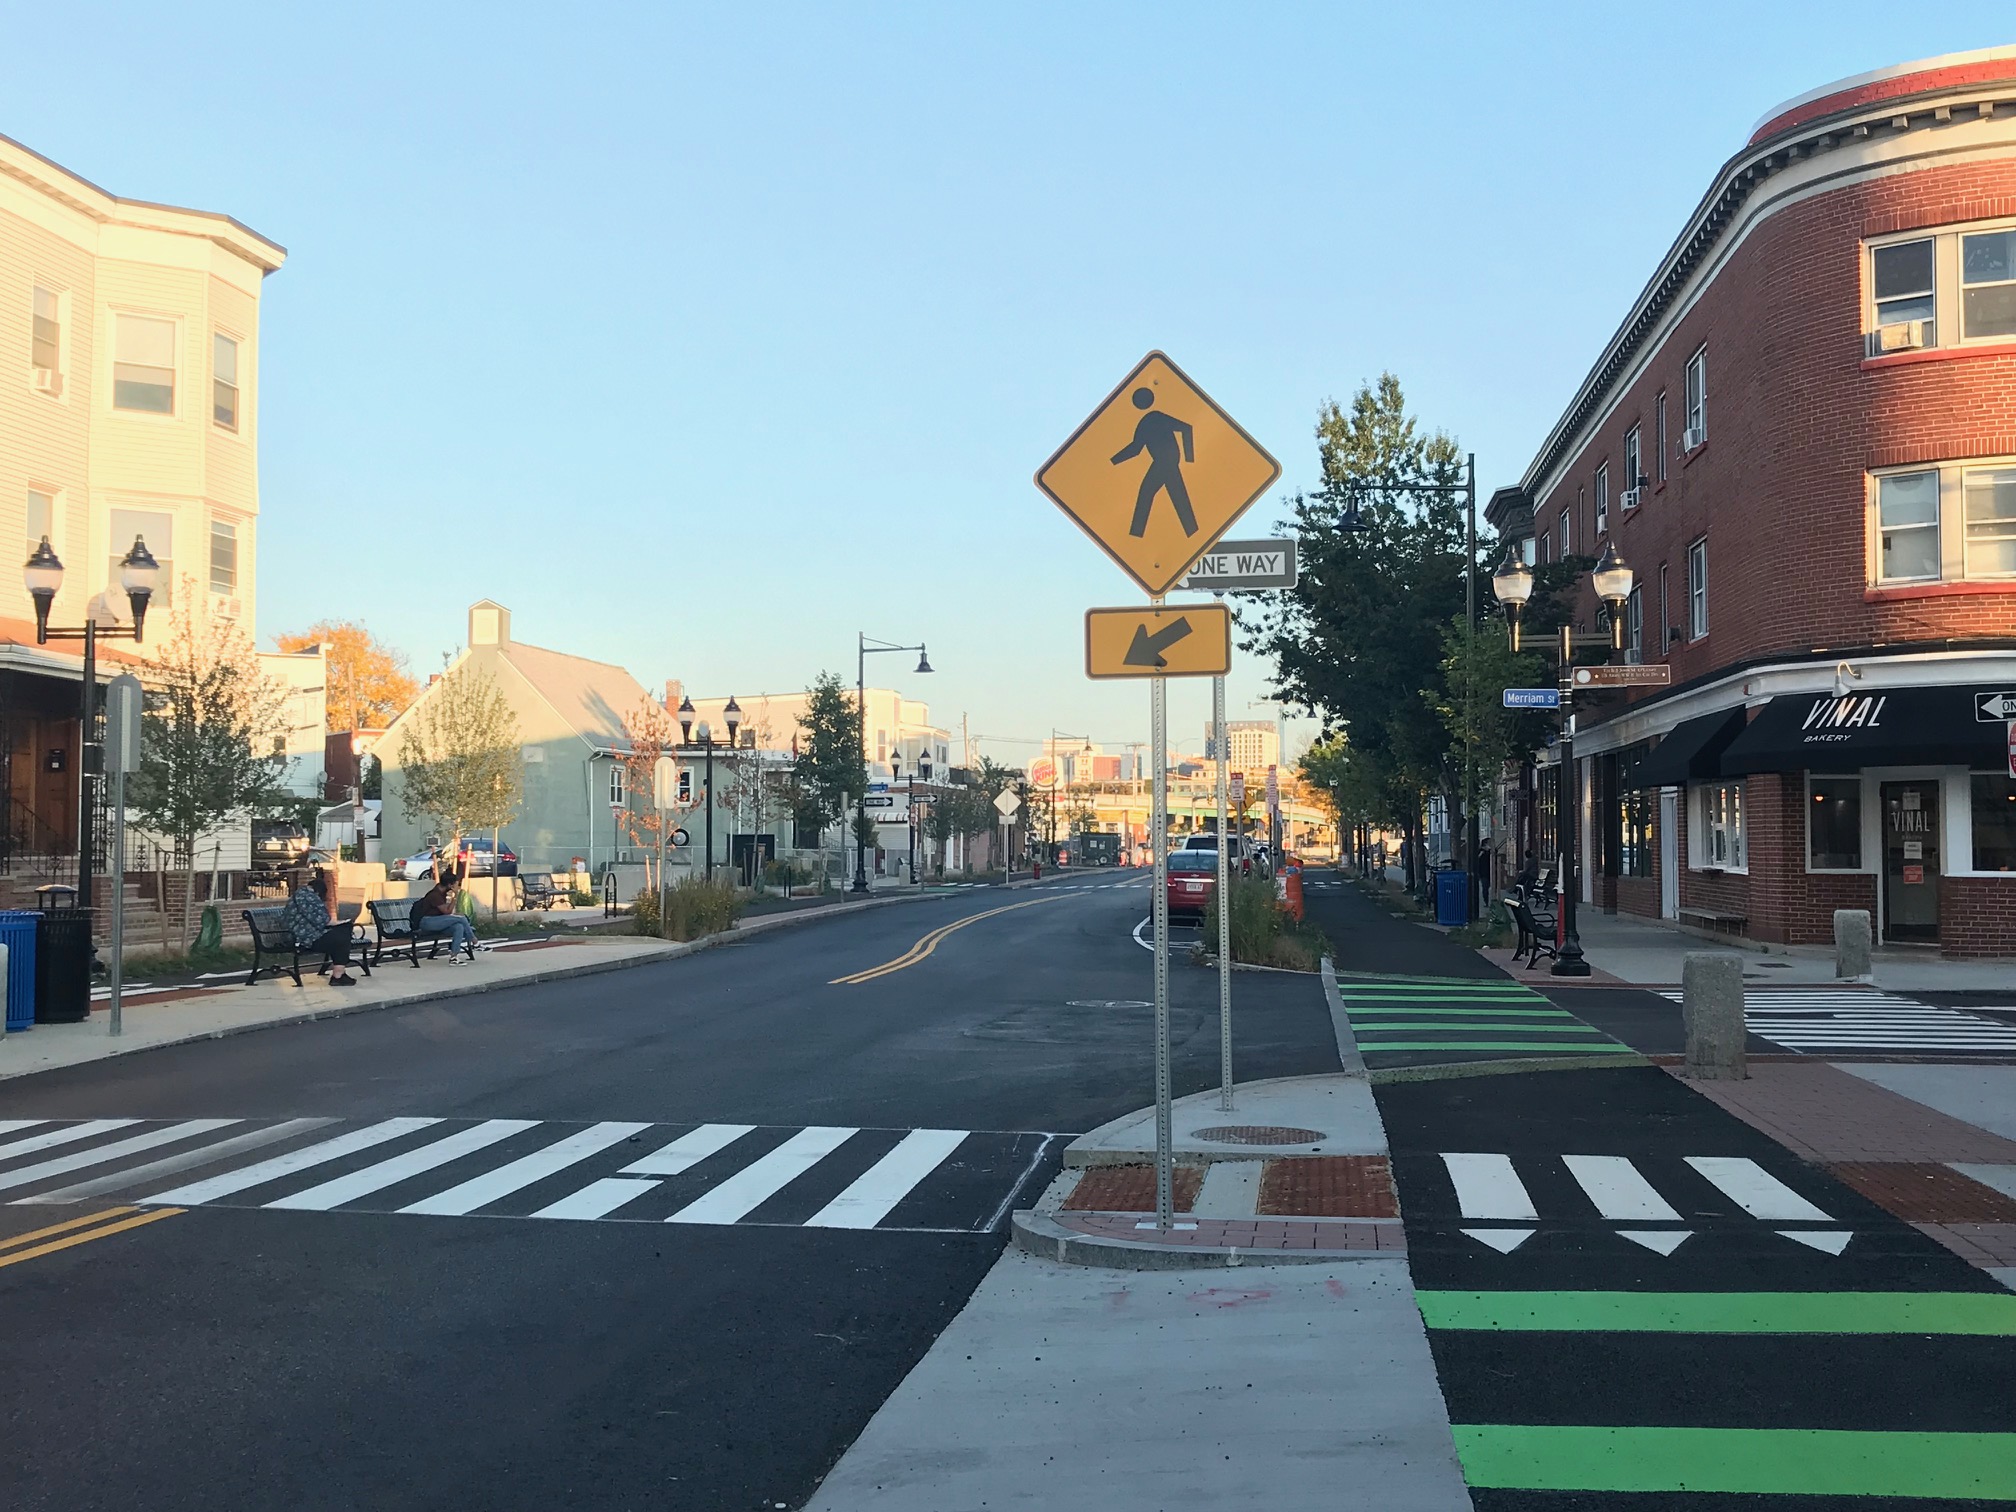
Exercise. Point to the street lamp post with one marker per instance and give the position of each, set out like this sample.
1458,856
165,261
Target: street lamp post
1513,584
43,574
732,714
863,650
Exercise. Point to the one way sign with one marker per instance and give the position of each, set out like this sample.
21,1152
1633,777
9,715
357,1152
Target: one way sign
1993,708
1234,565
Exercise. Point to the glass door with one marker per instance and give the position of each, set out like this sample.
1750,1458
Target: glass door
1911,861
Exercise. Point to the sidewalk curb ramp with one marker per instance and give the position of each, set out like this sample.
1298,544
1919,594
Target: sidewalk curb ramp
672,950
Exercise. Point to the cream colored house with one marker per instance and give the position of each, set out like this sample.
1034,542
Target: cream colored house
129,406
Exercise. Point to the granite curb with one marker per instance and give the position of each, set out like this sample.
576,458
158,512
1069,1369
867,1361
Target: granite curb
1039,1234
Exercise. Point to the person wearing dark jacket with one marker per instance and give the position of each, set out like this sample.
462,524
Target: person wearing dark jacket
434,914
311,922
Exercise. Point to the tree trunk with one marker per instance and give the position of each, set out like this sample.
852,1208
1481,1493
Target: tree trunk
188,899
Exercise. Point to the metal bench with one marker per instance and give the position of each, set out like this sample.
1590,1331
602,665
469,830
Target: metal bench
272,937
539,890
393,919
1536,931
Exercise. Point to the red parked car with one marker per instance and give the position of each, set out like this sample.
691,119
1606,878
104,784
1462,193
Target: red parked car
1192,876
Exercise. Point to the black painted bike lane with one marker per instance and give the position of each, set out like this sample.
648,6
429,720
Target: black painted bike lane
1635,1299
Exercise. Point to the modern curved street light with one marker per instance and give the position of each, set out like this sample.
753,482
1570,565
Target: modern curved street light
865,648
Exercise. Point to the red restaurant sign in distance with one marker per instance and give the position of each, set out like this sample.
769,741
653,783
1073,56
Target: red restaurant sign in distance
1623,677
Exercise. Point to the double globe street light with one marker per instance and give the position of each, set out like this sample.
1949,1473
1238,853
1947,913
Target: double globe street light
43,574
1513,584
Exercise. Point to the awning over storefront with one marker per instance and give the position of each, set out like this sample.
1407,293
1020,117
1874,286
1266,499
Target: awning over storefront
1889,727
1689,753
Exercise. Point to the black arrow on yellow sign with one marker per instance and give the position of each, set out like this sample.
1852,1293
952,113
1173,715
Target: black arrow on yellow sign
1146,651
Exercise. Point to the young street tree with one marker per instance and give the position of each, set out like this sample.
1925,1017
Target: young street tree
212,742
653,733
459,760
369,686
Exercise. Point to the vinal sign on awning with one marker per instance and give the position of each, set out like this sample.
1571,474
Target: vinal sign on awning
1889,727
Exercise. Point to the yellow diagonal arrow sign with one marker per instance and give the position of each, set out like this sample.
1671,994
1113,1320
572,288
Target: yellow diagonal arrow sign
1192,641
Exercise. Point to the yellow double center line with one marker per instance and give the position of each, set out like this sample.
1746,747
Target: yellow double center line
11,1252
929,943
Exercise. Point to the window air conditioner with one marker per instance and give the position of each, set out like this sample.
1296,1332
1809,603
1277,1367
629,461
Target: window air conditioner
1900,336
1692,437
230,608
1629,499
48,381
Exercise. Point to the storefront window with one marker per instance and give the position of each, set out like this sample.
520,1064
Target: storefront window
1637,818
1547,813
1721,842
1994,822
1834,824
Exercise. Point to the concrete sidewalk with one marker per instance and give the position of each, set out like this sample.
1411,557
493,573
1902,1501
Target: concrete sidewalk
1294,1389
1625,950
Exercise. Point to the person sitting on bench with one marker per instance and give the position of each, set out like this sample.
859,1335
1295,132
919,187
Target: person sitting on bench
314,927
434,913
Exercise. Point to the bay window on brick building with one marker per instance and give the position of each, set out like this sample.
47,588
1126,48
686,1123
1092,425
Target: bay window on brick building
1824,536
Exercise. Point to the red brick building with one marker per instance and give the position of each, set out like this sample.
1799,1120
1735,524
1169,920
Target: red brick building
1803,438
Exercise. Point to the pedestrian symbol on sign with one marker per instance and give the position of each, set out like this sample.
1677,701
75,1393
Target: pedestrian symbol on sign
1162,437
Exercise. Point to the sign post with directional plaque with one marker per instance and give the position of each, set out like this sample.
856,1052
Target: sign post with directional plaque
1156,475
1005,804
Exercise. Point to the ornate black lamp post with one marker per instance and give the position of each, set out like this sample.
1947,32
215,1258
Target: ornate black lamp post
1513,584
43,573
732,715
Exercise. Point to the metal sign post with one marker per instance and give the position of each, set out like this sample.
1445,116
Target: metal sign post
1158,746
1224,906
123,709
1005,804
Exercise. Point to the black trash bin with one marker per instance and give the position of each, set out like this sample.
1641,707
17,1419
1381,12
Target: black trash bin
63,966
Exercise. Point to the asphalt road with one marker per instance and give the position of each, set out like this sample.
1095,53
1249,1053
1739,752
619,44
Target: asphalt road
297,1335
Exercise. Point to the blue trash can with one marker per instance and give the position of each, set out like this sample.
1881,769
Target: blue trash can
1452,898
17,933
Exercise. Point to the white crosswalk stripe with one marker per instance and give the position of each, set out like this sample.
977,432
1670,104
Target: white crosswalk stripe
1659,1208
928,1180
1822,1019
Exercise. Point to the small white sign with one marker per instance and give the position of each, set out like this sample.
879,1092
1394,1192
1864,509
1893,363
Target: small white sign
1007,803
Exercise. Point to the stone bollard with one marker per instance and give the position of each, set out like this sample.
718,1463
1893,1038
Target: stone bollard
1854,938
1712,1010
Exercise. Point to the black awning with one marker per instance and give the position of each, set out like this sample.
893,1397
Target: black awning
1690,752
1818,732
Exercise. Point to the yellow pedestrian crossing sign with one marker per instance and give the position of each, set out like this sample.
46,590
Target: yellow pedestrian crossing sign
1157,474
1192,641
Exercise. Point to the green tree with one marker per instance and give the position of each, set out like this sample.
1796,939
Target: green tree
1359,639
829,772
212,740
459,758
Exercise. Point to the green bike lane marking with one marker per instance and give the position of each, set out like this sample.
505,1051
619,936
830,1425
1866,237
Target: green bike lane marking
1490,1018
1612,1048
1721,1312
1753,1461
1509,1028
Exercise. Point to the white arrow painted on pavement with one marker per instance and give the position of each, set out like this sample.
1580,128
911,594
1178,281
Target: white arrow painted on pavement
1831,1243
1502,1240
1665,1241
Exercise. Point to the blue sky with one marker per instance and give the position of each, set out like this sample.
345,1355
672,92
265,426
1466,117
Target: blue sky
704,337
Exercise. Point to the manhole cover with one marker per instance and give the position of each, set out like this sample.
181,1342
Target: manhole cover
1259,1134
1107,1003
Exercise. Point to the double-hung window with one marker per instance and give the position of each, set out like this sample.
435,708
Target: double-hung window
1907,526
1545,553
1567,535
1634,472
1634,627
223,557
143,364
1665,613
1988,496
45,340
1697,589
1721,827
41,517
1988,284
619,785
1901,282
1659,435
1602,498
1697,400
224,380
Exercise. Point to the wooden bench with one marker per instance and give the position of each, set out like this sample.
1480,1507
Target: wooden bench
1714,921
272,937
539,890
393,919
